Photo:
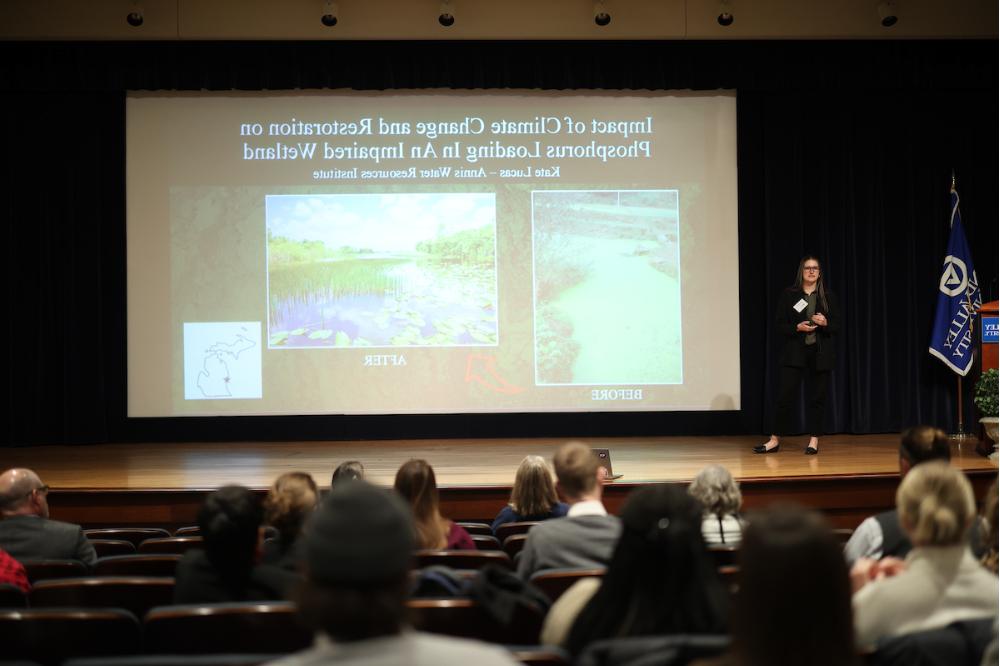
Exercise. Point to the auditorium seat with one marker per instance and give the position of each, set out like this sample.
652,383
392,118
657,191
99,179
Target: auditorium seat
39,569
134,534
723,554
553,582
474,528
167,545
484,542
136,594
52,635
190,530
110,547
843,534
175,660
514,544
672,650
539,655
250,627
12,597
508,529
729,574
137,565
465,619
462,559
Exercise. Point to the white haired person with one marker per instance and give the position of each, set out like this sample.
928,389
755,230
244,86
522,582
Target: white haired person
940,581
720,498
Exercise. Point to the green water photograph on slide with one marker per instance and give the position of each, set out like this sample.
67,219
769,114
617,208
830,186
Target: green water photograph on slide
381,270
607,294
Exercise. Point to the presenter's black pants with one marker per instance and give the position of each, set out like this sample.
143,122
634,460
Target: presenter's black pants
789,379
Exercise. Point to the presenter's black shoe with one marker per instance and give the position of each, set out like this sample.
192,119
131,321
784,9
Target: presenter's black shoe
762,448
811,451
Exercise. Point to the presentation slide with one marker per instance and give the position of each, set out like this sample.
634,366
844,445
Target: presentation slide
339,252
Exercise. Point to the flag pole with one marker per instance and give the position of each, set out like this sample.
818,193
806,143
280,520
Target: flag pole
953,317
962,434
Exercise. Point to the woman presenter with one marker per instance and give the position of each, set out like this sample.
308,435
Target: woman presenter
808,320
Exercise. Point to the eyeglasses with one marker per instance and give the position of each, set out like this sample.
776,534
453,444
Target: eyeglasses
810,268
42,489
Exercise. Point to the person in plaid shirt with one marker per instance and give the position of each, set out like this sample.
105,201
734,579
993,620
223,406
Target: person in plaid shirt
12,572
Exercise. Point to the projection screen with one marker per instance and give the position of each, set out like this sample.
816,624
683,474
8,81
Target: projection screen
431,252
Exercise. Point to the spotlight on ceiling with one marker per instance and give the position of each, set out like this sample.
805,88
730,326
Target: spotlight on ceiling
887,13
330,12
725,17
446,16
134,18
601,15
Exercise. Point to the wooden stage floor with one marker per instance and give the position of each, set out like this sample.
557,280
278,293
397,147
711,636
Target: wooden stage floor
457,462
164,483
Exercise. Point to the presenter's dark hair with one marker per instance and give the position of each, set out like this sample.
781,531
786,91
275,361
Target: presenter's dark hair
924,443
793,568
820,288
230,521
661,579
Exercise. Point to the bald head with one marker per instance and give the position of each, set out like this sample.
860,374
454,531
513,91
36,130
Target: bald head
18,494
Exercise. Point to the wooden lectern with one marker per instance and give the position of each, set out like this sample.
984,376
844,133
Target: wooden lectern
988,335
988,357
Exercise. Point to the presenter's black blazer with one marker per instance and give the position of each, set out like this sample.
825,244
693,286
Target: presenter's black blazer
793,350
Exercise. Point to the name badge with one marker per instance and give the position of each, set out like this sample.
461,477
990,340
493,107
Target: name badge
801,305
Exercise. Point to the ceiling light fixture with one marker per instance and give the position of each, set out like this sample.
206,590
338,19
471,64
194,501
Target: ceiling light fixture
330,14
601,15
887,13
446,16
725,17
135,18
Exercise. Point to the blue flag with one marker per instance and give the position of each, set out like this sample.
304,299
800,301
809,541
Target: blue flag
958,300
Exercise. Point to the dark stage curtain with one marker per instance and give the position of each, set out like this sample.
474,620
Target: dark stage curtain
845,150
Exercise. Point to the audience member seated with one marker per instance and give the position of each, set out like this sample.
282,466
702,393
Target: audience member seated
533,496
661,579
416,484
939,582
289,502
720,498
989,529
358,549
227,569
794,603
350,470
587,535
12,572
26,532
880,536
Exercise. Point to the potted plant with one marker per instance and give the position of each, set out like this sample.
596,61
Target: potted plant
985,397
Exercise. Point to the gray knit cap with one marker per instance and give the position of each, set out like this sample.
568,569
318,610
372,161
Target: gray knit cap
359,534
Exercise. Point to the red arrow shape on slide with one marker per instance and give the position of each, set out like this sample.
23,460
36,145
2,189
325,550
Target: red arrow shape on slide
482,369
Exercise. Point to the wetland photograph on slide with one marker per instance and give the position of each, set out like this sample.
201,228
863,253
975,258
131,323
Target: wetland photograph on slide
381,270
607,294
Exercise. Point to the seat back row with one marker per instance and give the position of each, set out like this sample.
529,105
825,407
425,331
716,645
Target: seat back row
117,565
51,635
